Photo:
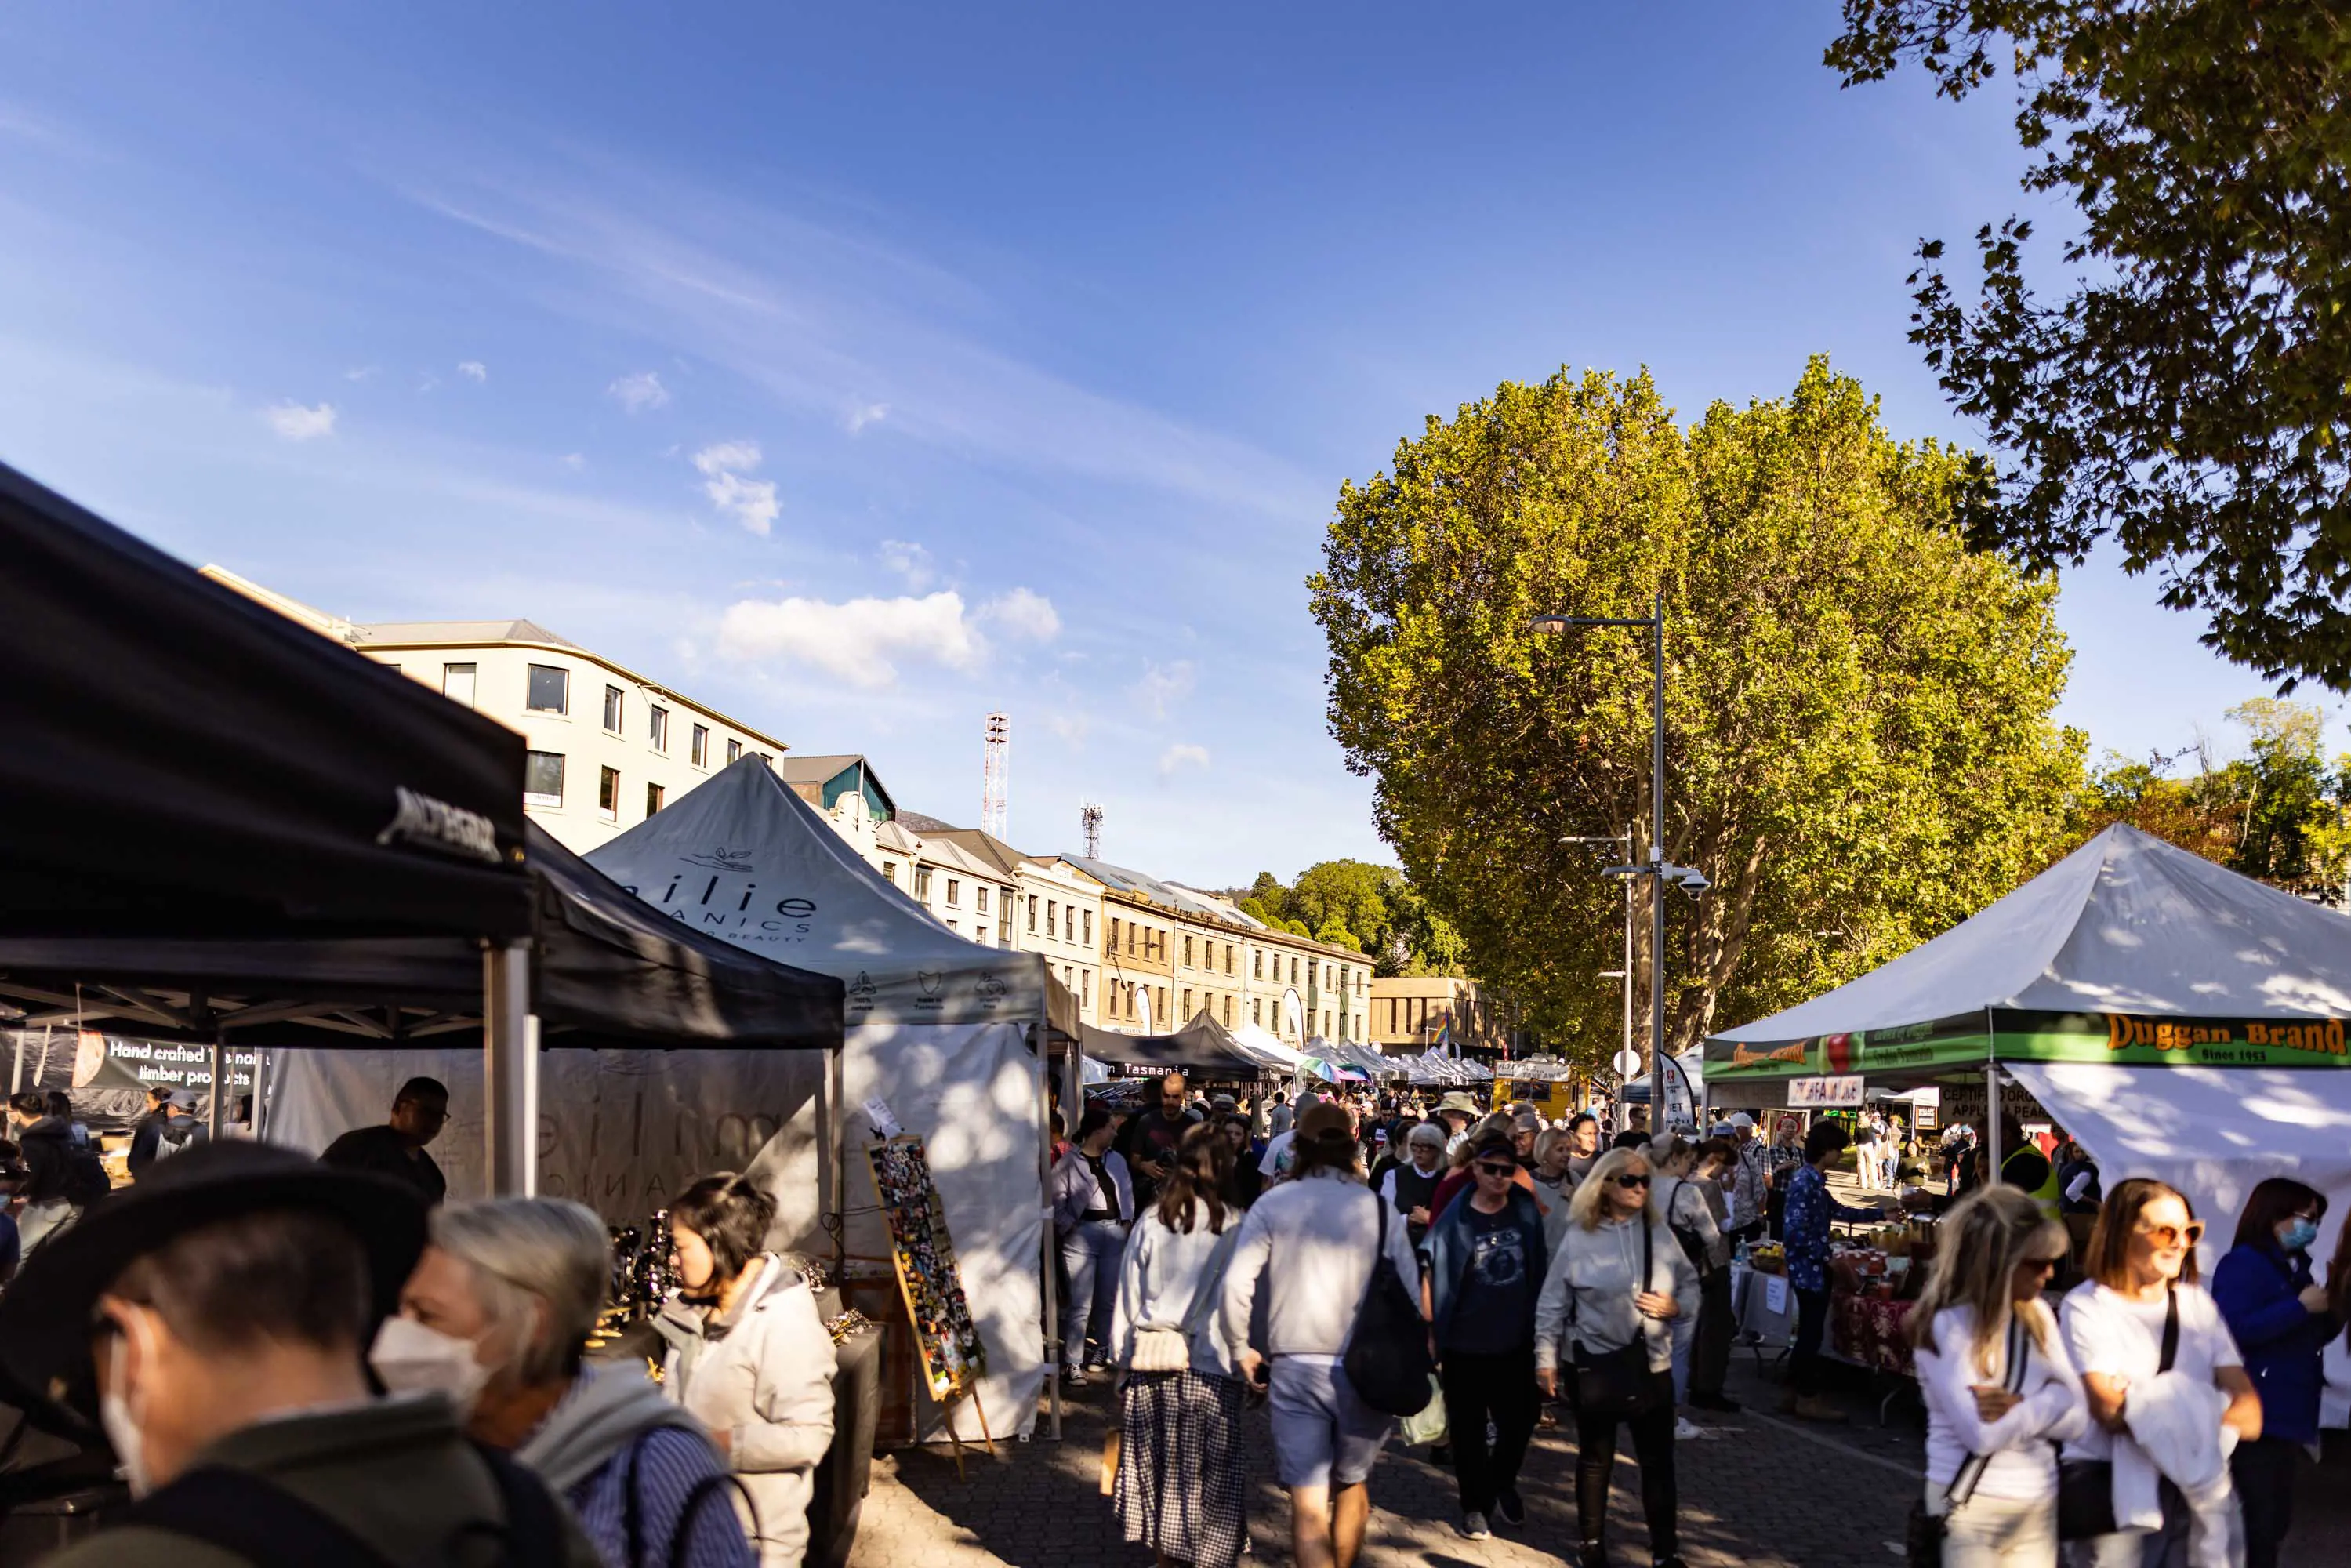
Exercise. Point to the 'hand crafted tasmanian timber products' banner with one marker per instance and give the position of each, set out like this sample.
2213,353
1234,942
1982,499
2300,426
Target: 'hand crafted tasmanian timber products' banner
1972,1039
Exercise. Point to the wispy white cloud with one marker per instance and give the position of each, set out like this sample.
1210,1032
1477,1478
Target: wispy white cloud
727,467
1072,728
575,461
638,392
1022,613
361,373
473,369
1163,685
827,321
296,422
1180,756
911,561
858,641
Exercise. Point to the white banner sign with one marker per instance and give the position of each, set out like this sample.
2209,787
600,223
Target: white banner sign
1825,1092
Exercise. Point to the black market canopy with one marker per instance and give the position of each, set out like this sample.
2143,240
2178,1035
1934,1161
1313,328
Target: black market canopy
214,821
176,760
1203,1047
2127,952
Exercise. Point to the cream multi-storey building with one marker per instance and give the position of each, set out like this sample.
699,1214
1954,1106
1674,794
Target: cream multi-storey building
608,748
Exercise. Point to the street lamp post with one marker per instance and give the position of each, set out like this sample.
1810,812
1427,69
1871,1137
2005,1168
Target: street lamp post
1655,868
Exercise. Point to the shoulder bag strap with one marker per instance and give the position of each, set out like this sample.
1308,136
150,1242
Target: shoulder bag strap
2170,1331
681,1538
253,1518
1972,1469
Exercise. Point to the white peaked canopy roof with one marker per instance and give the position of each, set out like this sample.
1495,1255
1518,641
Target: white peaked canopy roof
2127,924
742,857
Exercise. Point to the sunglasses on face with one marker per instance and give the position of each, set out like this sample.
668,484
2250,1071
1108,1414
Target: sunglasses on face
1632,1181
1504,1172
2045,1265
2172,1234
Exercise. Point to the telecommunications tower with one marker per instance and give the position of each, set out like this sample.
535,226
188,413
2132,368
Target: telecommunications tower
1090,816
995,776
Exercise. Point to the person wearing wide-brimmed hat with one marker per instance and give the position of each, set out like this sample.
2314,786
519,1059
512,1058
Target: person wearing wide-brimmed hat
214,1322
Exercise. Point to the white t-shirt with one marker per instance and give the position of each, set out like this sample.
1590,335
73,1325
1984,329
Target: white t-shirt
1277,1154
2108,1333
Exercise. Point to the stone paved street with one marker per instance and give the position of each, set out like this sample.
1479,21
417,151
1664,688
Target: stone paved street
1760,1492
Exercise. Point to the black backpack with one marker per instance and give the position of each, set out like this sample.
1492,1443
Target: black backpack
1387,1356
82,1181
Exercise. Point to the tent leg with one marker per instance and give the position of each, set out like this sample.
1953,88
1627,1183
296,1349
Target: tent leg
217,1116
836,1156
17,1078
1991,1124
505,1071
1047,1293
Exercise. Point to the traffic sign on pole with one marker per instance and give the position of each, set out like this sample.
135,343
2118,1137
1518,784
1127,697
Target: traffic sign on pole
1628,1064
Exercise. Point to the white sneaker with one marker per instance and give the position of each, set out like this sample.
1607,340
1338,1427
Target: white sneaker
1073,1376
1685,1428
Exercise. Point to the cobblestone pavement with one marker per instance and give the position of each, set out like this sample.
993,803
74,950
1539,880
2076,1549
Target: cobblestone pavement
1757,1490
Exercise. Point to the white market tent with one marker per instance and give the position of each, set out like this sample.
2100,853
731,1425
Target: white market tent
938,1029
2180,1020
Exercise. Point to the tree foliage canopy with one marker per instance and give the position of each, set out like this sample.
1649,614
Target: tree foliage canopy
1860,744
2190,391
1353,904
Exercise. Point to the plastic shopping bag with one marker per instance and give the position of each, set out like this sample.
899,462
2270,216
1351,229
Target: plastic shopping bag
1429,1425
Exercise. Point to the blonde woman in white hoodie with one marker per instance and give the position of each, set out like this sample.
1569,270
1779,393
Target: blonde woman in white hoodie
1999,1386
748,1356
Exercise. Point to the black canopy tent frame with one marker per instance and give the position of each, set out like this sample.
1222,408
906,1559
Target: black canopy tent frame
604,971
215,822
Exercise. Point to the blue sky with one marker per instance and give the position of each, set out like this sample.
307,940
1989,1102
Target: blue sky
859,370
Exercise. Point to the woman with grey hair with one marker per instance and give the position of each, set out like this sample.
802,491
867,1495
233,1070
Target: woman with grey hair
495,1316
1410,1184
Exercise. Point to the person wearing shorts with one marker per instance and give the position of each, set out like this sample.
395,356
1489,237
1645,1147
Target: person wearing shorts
1309,1244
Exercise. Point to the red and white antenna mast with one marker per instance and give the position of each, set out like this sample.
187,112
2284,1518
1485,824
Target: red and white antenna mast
995,776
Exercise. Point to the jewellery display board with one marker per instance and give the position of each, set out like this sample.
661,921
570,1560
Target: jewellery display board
945,1338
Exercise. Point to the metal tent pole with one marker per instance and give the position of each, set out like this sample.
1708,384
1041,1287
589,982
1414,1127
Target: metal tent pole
216,1116
506,1068
1047,1292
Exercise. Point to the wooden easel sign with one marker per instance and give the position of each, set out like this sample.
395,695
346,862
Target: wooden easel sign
945,1338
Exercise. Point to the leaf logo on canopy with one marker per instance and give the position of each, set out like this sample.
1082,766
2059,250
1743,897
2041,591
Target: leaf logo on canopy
724,859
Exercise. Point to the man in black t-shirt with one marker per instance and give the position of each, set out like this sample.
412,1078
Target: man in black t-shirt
396,1149
1148,1142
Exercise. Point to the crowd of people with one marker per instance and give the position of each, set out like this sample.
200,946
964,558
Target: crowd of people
1213,1255
2140,1421
297,1361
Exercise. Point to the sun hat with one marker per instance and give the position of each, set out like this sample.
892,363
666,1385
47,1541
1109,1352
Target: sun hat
44,1318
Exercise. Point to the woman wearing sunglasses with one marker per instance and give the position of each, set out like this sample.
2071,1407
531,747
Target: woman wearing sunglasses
1610,1295
1998,1387
2152,1350
2280,1318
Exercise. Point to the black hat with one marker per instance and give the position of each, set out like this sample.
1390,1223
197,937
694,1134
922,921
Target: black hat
45,1316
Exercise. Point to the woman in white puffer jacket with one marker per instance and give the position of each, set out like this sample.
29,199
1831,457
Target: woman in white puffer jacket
749,1356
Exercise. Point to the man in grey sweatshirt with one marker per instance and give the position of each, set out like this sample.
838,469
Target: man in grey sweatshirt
1311,1243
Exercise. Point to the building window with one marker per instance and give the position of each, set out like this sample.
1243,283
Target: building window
1112,931
1086,988
654,793
1052,917
890,873
923,883
1032,915
1293,969
1258,963
457,683
698,746
542,778
955,891
768,758
658,729
608,793
733,752
1187,951
1088,938
1256,1010
612,709
1159,1012
979,899
550,689
1228,1009
1187,1004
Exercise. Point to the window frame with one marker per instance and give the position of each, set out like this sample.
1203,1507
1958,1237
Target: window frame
530,702
541,799
616,709
698,746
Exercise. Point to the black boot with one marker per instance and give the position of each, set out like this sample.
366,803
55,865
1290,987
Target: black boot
1594,1555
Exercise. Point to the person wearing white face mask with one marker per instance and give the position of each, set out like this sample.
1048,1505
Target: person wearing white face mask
214,1320
495,1316
749,1356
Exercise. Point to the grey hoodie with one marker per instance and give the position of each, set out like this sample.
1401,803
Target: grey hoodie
608,1408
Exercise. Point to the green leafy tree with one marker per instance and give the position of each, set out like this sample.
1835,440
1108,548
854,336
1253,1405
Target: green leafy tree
2187,390
1860,749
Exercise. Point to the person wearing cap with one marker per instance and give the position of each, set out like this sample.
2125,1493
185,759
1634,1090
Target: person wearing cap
1486,1261
1311,1245
214,1322
156,1135
497,1315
